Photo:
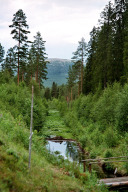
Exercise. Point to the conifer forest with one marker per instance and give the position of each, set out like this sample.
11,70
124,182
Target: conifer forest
87,115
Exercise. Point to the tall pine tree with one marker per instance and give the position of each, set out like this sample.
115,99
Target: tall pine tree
71,79
79,59
19,32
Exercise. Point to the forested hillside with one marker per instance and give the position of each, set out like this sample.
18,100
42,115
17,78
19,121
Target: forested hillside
57,71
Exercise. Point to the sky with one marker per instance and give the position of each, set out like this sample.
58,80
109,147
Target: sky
62,23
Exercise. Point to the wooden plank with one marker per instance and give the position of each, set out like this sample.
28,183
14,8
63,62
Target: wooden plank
87,160
31,125
115,182
115,179
109,161
96,161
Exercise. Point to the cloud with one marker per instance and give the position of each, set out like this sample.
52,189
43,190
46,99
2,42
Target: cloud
62,23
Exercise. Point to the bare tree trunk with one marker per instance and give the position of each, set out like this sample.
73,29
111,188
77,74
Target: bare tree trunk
79,88
36,76
82,72
31,125
67,98
71,97
22,76
71,94
18,57
18,69
37,68
82,77
39,83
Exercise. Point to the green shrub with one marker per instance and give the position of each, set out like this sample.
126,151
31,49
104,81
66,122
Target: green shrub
12,152
108,153
71,121
17,100
121,111
83,140
83,107
111,137
62,107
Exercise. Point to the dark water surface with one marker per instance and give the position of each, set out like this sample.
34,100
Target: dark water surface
121,189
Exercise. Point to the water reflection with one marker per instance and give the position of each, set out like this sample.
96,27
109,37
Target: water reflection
68,149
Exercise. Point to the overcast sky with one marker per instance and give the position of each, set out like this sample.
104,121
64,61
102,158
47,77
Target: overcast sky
62,23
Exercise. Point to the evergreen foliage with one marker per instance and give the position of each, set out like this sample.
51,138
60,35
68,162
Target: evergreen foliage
10,61
19,32
79,60
71,79
54,90
40,58
30,62
1,54
107,50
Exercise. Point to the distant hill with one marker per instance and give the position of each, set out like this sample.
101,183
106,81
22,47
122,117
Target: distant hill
57,71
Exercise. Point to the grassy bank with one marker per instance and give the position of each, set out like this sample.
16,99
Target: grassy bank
14,173
100,122
47,173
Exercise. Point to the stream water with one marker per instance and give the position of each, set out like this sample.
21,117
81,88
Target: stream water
72,151
66,148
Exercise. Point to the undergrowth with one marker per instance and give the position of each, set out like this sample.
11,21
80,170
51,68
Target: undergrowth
47,173
100,122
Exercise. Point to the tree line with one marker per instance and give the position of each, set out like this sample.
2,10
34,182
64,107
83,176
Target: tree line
27,59
101,61
105,55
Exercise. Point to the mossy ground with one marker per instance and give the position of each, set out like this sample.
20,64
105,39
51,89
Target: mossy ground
55,125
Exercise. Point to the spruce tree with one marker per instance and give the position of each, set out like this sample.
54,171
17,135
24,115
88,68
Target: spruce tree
79,59
2,52
108,48
10,61
125,50
31,65
105,46
54,90
89,73
41,59
47,93
119,38
19,32
100,60
71,79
